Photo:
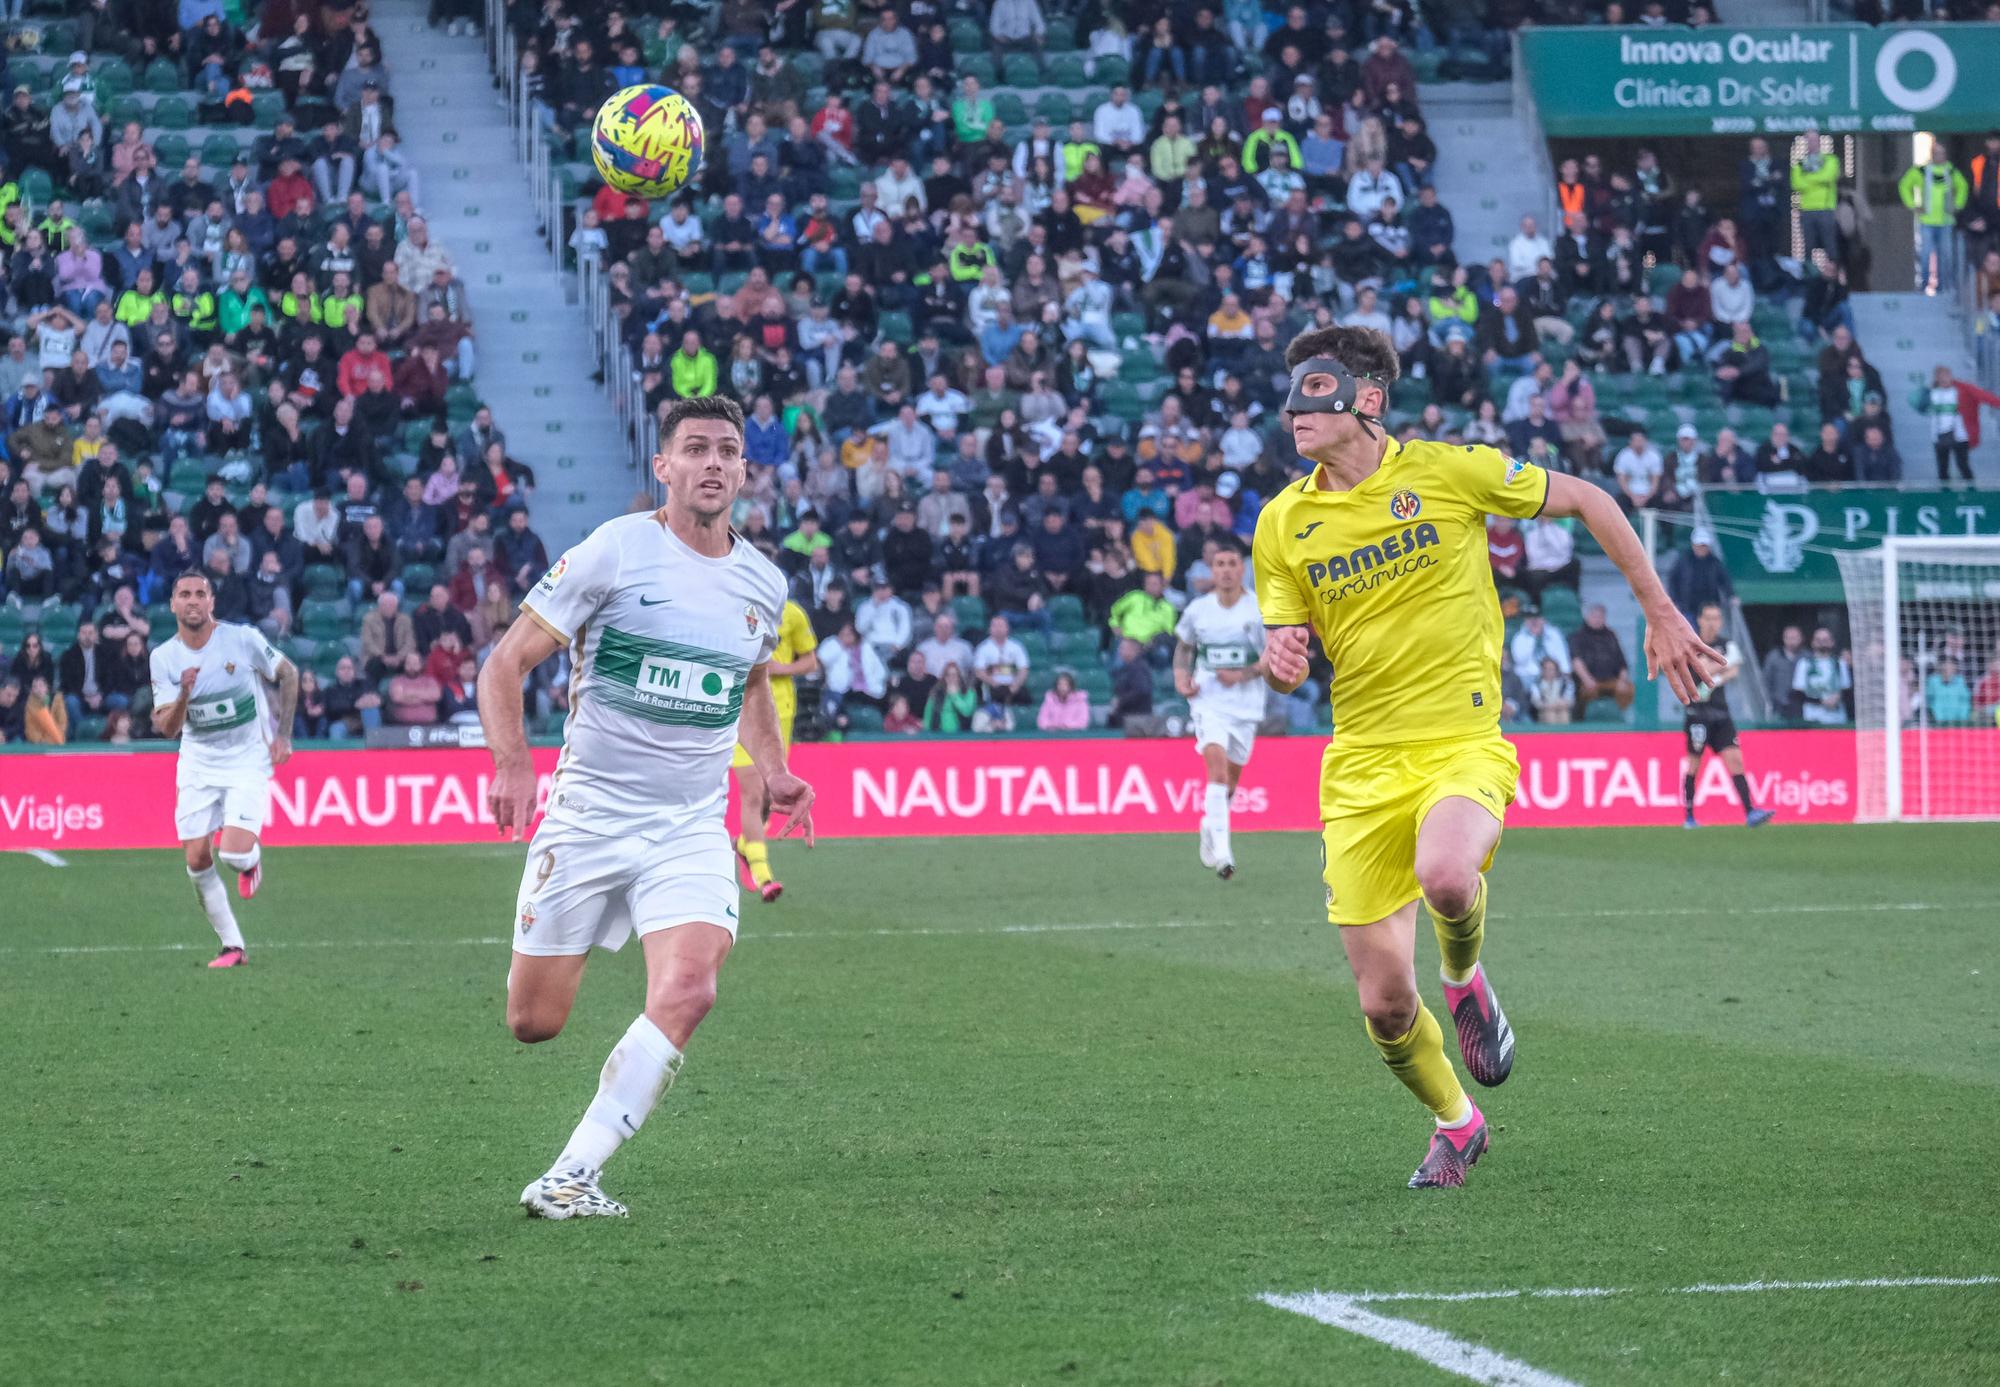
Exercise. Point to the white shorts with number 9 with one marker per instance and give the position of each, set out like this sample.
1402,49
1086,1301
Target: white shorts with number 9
582,890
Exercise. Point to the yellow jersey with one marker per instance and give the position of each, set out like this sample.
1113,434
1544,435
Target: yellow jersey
795,638
1393,577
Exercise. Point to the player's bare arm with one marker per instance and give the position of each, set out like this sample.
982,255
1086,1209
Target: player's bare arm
1673,650
511,796
169,720
286,686
758,732
1287,657
1184,684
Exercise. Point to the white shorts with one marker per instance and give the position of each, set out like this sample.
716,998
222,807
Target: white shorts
1236,736
240,802
581,890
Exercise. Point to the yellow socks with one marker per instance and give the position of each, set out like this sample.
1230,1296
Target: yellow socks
1417,1058
1459,940
758,855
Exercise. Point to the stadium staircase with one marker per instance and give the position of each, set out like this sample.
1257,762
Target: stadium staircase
1908,336
534,355
1480,174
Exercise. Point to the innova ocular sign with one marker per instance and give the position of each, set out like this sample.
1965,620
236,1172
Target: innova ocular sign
1717,81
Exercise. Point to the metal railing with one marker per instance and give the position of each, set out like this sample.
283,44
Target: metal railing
589,286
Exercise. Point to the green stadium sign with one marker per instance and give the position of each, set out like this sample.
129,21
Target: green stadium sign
1780,546
1718,81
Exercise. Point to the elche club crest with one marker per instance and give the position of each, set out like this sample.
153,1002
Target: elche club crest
750,620
1405,504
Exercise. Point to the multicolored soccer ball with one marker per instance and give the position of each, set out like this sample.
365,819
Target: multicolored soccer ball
647,141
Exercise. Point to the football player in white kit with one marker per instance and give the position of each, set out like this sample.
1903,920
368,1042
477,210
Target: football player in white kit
208,690
1218,668
671,620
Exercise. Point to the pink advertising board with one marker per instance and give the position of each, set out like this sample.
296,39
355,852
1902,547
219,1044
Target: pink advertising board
77,800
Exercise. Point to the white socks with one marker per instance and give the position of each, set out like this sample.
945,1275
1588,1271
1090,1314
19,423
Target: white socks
242,861
640,1069
1215,814
215,903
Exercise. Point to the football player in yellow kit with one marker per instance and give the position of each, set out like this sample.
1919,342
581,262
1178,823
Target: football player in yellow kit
1381,552
797,654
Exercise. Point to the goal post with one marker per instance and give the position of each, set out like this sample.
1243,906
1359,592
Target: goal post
1924,630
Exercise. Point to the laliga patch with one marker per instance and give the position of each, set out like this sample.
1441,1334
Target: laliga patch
554,575
1515,467
1405,504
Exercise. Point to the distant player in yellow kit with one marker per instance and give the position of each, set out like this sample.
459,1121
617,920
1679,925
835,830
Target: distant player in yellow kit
1381,552
797,654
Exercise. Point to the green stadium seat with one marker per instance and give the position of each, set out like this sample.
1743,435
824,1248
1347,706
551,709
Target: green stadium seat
36,187
1561,607
1066,70
970,613
1066,613
1021,70
895,326
417,581
163,77
89,728
1111,71
321,620
323,580
1008,107
265,108
121,110
114,80
12,627
1122,400
172,150
1149,102
1054,107
1061,34
58,626
220,151
160,623
863,717
172,113
980,66
843,182
1124,325
967,36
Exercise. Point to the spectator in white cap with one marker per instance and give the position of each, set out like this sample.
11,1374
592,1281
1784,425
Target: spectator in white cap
72,116
1686,461
79,72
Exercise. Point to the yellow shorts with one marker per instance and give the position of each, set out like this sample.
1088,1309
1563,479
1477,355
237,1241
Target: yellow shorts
787,707
1372,801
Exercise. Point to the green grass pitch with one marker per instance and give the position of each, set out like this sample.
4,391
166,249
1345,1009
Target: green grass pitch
995,1112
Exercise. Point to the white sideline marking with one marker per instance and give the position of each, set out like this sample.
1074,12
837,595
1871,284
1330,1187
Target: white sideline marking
1483,1365
46,858
1089,927
1434,1346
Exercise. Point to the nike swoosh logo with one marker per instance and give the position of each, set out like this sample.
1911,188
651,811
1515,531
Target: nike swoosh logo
628,1121
1307,531
731,911
654,601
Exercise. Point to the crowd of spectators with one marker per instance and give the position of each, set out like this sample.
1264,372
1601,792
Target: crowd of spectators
239,353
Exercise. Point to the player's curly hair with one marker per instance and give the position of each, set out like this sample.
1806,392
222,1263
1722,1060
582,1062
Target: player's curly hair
699,407
1362,350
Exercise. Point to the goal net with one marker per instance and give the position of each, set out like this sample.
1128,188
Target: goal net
1924,626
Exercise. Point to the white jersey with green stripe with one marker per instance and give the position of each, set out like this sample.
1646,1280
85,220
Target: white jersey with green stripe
662,641
1229,637
228,729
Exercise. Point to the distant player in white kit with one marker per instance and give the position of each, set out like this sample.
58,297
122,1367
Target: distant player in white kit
671,620
208,690
1218,668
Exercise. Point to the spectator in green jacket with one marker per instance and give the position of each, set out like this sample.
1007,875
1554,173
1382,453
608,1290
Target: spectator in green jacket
1816,181
1145,616
1271,133
1937,193
971,113
692,369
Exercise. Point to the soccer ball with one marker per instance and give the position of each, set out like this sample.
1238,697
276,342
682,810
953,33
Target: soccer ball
647,141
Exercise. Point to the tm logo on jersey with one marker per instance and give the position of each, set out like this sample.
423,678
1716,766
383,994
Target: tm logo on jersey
683,680
1405,504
